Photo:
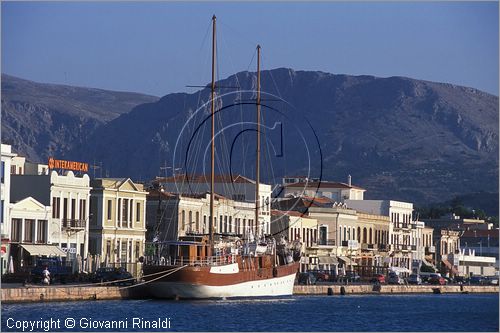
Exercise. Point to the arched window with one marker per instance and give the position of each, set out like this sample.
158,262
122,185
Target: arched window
371,239
197,221
190,220
340,235
345,233
359,235
364,235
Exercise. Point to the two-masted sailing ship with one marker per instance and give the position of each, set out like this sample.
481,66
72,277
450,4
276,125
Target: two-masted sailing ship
206,266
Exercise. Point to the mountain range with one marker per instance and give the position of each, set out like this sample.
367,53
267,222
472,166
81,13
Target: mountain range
399,138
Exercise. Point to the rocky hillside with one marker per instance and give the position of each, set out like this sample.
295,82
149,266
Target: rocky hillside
399,138
47,119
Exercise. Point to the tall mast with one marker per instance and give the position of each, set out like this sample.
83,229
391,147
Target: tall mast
212,97
257,172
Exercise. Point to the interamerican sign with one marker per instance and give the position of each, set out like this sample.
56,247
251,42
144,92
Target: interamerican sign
68,165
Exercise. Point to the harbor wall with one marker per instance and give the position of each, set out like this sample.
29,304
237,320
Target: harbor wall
389,289
81,293
64,293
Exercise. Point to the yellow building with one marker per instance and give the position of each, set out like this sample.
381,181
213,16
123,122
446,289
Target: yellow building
118,220
373,237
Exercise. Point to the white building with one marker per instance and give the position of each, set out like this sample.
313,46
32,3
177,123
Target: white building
19,166
170,216
7,157
29,232
466,263
400,229
336,191
68,195
239,189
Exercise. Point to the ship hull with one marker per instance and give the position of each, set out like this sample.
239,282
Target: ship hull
224,282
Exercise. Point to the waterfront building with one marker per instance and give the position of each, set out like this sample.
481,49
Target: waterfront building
237,188
400,239
292,226
482,242
336,191
467,263
337,234
118,221
373,236
417,245
171,215
428,246
68,195
30,233
6,159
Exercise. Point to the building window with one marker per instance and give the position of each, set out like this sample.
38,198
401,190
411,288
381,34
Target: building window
41,232
197,221
29,230
56,205
1,211
108,249
119,208
138,212
125,210
322,235
16,227
110,209
131,212
204,224
73,209
2,171
83,209
137,250
190,220
183,219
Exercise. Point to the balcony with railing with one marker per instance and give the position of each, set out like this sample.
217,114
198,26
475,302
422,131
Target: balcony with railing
369,247
73,224
384,247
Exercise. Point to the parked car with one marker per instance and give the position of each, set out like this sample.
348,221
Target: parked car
322,276
378,278
306,278
58,271
493,280
436,279
351,276
414,279
109,274
478,279
394,278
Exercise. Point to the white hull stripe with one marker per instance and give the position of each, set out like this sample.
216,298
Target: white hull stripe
280,286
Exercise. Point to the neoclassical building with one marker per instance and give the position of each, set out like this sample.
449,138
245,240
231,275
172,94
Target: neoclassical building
118,222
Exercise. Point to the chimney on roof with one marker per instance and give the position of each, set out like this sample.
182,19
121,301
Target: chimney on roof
349,178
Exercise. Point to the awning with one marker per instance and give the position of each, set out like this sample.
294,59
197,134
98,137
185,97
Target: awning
347,261
399,270
44,250
328,260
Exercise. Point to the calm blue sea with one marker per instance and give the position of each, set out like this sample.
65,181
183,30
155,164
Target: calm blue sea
471,312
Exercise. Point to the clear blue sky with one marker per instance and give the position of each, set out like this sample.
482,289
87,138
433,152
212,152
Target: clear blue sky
159,48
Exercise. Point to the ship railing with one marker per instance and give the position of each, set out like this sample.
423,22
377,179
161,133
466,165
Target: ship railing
200,261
